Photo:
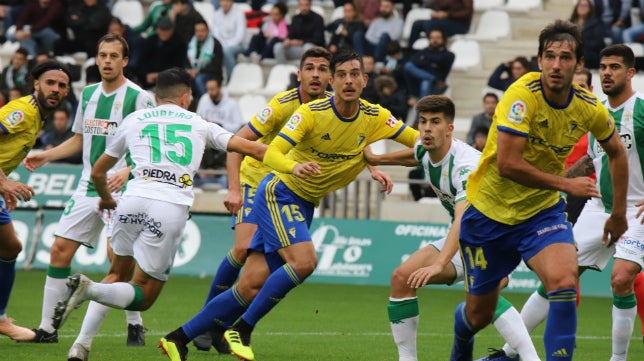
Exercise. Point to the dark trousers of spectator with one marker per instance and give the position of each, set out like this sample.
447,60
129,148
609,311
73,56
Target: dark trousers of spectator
448,26
419,191
262,47
363,47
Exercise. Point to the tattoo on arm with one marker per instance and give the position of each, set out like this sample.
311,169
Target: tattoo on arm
583,167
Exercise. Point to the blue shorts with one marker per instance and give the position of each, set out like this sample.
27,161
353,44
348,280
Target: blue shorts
283,218
492,250
245,213
5,218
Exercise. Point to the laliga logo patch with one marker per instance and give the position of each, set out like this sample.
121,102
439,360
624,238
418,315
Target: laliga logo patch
16,117
294,122
264,115
517,112
185,181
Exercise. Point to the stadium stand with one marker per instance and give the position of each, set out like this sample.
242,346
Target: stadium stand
130,12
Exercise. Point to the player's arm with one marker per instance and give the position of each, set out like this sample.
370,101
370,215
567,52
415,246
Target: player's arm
403,157
583,167
512,165
616,224
116,182
276,158
422,276
68,148
99,177
233,199
246,147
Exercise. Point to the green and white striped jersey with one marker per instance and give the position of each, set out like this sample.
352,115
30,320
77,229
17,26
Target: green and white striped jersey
448,177
629,121
98,117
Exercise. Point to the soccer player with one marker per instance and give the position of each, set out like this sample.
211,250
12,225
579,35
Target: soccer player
324,141
516,210
20,122
101,108
166,143
314,77
448,163
625,106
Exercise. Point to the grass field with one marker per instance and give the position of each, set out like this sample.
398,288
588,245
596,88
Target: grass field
314,323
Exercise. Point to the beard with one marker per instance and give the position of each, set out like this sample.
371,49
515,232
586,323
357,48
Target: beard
42,100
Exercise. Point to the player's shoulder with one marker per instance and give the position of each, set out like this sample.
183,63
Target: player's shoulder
585,97
370,109
319,105
464,153
19,110
530,83
288,96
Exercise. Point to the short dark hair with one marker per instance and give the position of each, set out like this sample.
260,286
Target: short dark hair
62,109
490,94
588,75
202,21
344,55
23,51
564,31
281,6
48,65
622,50
173,82
437,104
315,52
112,37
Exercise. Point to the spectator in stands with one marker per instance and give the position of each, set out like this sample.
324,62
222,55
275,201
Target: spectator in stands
9,12
480,138
88,21
229,27
427,70
161,51
451,16
635,33
391,96
41,23
383,29
60,132
592,30
217,107
369,92
206,57
272,32
507,73
306,31
14,75
615,15
184,16
394,63
368,9
157,12
255,16
135,42
484,119
343,29
15,93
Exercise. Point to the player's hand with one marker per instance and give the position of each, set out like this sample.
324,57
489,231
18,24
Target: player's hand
107,204
614,228
36,160
382,178
640,210
581,187
12,192
117,180
233,201
421,277
305,170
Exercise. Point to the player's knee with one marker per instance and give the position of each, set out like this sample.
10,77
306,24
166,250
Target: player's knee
240,252
399,278
62,252
479,317
11,248
621,283
305,267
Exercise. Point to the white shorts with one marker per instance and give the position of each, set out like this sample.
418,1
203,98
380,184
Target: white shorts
149,230
82,221
588,232
457,261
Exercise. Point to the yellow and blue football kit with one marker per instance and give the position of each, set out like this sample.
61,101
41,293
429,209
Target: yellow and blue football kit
507,220
20,122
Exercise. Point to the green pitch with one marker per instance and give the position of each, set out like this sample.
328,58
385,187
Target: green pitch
315,322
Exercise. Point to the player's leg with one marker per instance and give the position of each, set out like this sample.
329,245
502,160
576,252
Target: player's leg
628,264
638,287
403,303
10,247
471,316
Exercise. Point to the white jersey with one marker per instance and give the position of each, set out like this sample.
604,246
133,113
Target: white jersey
166,145
98,117
448,177
629,121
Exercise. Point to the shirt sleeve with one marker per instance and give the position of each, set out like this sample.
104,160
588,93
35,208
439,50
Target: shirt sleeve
388,127
13,119
217,137
603,125
515,112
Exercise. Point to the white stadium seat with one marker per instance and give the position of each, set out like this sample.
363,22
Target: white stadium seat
638,48
523,5
338,13
493,25
207,10
130,12
467,54
278,79
246,78
413,15
250,104
482,5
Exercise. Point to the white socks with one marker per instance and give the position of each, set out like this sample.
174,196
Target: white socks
55,290
115,295
623,319
511,327
535,310
94,317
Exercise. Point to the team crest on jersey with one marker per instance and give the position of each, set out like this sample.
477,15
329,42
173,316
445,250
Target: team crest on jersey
294,122
517,112
116,106
264,115
16,117
391,121
361,139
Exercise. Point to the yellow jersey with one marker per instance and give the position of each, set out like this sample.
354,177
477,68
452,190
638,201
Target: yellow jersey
266,124
20,121
551,132
318,133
